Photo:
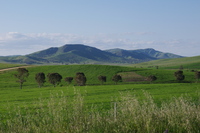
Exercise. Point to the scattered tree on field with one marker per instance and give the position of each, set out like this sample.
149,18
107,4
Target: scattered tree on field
197,75
181,67
157,67
116,78
54,78
69,80
40,79
21,76
179,75
102,79
80,79
152,78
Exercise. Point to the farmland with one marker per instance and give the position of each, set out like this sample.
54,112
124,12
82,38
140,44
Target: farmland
93,97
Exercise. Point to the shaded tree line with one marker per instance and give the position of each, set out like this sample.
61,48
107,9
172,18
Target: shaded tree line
80,78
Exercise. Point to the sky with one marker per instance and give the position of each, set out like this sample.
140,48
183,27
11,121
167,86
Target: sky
172,26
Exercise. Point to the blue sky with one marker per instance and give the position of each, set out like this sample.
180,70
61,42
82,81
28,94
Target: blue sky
166,25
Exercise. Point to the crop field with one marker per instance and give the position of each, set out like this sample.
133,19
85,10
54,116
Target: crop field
129,106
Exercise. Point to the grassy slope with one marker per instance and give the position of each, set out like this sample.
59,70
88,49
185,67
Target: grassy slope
5,65
187,62
11,94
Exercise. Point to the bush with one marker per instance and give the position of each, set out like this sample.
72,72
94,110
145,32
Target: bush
102,79
179,75
40,79
54,78
80,79
116,78
69,79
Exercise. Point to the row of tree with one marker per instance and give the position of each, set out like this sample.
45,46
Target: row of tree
55,78
80,78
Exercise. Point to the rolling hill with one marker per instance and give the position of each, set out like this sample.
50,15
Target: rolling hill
186,62
82,54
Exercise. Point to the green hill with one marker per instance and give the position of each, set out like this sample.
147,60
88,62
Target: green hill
99,108
82,54
186,62
143,54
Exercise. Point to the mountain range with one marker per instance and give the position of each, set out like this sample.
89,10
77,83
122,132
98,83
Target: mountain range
82,54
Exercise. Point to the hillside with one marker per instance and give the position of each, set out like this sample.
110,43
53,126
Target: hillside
143,54
82,54
187,62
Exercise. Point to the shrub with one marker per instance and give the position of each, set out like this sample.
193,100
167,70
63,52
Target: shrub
102,79
54,78
152,78
80,78
179,75
116,78
197,75
69,79
40,79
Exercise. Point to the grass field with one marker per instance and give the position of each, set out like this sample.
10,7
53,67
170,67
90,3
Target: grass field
187,63
4,65
19,108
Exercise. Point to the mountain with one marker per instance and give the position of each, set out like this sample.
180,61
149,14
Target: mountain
82,54
143,54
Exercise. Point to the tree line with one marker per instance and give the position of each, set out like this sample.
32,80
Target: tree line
80,78
55,78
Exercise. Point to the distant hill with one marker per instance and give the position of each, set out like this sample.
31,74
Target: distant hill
82,54
143,54
187,63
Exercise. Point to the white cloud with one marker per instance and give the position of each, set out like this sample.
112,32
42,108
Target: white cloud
14,43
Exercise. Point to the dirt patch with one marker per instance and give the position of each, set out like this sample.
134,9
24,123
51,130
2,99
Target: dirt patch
132,77
12,68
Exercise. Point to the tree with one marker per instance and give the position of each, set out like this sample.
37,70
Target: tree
152,78
102,79
116,78
197,75
179,75
40,79
21,76
80,79
54,78
69,79
181,67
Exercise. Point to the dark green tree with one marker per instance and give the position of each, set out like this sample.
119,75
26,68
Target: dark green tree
69,80
152,78
80,79
102,79
21,75
179,75
40,79
54,78
116,78
197,75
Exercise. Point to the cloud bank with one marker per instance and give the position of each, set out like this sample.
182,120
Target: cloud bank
14,43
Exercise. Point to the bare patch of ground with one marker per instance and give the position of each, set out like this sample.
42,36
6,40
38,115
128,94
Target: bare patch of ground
132,77
12,68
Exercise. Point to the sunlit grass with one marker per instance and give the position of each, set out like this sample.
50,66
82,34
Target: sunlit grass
127,114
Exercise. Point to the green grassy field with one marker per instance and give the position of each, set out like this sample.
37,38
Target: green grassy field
98,93
187,63
95,97
4,65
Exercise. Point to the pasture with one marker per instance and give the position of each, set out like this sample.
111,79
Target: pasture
106,103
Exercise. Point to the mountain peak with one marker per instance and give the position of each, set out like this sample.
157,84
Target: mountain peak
80,53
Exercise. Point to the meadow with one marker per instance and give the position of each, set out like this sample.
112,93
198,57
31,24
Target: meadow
126,107
4,65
